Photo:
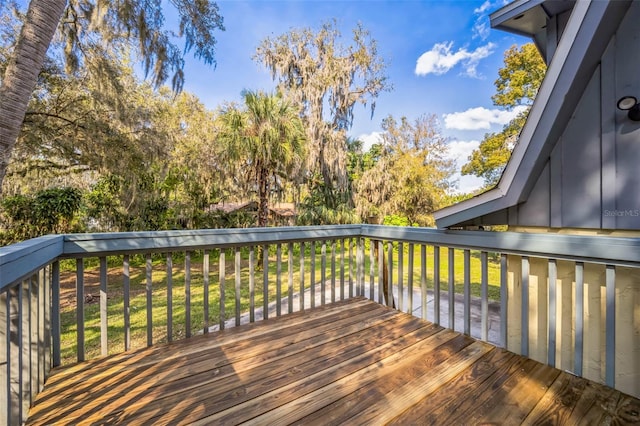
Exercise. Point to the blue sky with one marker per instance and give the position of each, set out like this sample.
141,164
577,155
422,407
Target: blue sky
442,59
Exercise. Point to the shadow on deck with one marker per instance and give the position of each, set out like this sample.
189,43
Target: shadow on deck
351,362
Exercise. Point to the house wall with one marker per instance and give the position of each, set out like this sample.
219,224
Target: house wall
592,177
627,369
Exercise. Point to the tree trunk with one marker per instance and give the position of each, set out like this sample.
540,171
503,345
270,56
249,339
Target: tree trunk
263,197
22,72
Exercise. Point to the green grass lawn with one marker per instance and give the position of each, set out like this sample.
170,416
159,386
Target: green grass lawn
138,302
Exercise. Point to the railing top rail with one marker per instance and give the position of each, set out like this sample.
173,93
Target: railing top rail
18,261
79,245
580,248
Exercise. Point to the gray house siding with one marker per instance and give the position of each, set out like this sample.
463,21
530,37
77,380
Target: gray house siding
590,179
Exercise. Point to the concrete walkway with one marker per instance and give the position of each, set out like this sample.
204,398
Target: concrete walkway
475,308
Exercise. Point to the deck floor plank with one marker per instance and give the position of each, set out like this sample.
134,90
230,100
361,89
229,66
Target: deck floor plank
244,385
352,362
439,407
360,400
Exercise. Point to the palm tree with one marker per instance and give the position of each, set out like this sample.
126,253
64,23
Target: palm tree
22,71
267,137
132,20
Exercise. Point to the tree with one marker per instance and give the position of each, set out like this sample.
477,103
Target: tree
412,175
96,23
266,138
517,85
326,79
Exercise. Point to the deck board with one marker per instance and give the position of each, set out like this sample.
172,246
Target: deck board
352,362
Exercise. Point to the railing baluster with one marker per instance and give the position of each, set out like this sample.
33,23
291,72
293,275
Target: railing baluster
342,269
610,326
400,276
290,279
381,278
390,299
360,266
372,270
579,337
126,280
278,279
252,285
524,343
187,293
358,289
104,328
42,342
169,267
238,283
265,282
55,313
436,285
21,415
48,349
504,301
423,281
302,256
451,288
205,289
553,297
323,272
410,279
7,344
221,276
467,292
484,295
149,289
80,309
333,271
312,275
30,335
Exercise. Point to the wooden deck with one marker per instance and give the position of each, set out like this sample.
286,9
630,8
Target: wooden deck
353,362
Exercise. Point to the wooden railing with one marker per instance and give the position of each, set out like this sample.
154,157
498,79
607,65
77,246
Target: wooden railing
74,297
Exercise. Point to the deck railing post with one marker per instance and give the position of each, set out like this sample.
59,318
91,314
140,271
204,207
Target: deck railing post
149,291
504,302
436,285
126,282
55,313
467,292
360,267
553,300
423,280
484,295
451,291
579,318
252,285
80,309
104,327
302,289
524,314
610,326
205,289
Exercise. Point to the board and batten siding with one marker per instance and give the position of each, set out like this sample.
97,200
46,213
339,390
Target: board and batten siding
592,177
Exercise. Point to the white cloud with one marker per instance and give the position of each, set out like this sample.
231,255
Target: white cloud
484,7
368,139
440,59
459,151
480,118
481,28
469,183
